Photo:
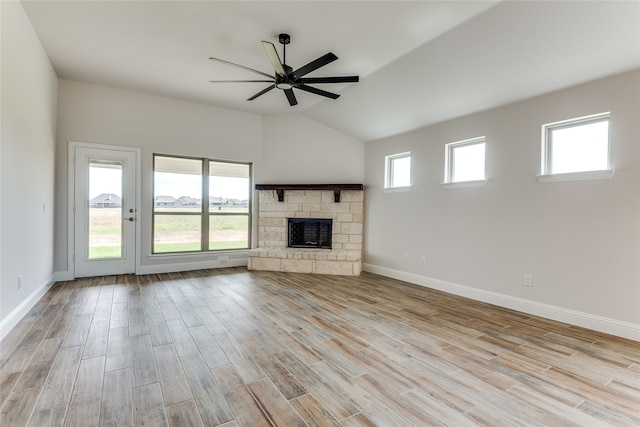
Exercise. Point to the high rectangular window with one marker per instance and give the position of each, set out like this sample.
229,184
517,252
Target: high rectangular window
465,160
398,170
200,205
576,145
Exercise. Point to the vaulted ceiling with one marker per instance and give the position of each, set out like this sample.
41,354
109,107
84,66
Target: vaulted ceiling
420,62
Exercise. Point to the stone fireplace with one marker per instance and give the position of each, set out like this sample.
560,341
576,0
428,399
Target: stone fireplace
325,223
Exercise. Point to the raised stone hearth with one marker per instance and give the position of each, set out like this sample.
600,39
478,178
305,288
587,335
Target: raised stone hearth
341,203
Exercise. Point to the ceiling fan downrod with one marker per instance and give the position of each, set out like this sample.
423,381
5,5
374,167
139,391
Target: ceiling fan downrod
284,39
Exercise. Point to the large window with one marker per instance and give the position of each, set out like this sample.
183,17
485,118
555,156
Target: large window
576,145
397,171
200,205
464,160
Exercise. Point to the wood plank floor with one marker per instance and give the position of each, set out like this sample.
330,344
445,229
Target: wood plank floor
236,348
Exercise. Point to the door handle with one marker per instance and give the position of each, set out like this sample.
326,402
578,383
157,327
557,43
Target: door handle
130,219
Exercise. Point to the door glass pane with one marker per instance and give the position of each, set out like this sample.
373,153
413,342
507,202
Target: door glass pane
228,232
176,233
105,210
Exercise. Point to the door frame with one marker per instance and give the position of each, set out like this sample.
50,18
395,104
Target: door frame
71,185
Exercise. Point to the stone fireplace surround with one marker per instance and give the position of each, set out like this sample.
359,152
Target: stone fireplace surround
344,203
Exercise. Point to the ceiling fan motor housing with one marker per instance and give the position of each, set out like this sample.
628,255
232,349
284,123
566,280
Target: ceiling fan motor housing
288,80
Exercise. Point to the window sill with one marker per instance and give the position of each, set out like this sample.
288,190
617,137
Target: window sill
396,189
221,254
464,184
577,176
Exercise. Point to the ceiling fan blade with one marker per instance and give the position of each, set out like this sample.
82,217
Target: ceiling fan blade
241,66
240,81
341,79
262,92
318,91
274,58
314,65
291,97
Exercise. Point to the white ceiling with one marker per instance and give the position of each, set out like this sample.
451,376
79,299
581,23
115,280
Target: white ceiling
420,62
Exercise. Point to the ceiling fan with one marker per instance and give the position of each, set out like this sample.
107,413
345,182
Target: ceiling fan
285,78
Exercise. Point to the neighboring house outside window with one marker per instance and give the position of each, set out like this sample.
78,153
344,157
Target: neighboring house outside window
106,200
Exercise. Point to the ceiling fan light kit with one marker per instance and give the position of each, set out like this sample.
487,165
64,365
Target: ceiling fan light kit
286,78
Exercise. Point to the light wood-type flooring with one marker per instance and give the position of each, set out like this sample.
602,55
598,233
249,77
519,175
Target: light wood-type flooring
236,348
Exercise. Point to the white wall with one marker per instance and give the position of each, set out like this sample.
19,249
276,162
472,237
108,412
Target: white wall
580,240
299,150
98,114
28,105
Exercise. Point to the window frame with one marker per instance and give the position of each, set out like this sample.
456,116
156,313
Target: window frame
205,212
389,169
546,161
449,166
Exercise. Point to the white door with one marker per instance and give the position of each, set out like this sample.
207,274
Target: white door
105,211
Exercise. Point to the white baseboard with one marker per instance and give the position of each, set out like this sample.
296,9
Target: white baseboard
573,317
9,322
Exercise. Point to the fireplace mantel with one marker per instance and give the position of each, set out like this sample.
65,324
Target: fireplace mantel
280,188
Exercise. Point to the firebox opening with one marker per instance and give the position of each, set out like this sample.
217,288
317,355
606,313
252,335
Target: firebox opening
310,233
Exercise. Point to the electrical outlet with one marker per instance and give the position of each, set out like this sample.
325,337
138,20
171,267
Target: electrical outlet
423,260
405,258
19,281
527,279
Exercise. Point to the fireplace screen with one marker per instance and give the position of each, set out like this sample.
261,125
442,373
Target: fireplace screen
310,233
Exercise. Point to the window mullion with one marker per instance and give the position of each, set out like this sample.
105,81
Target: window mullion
205,206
